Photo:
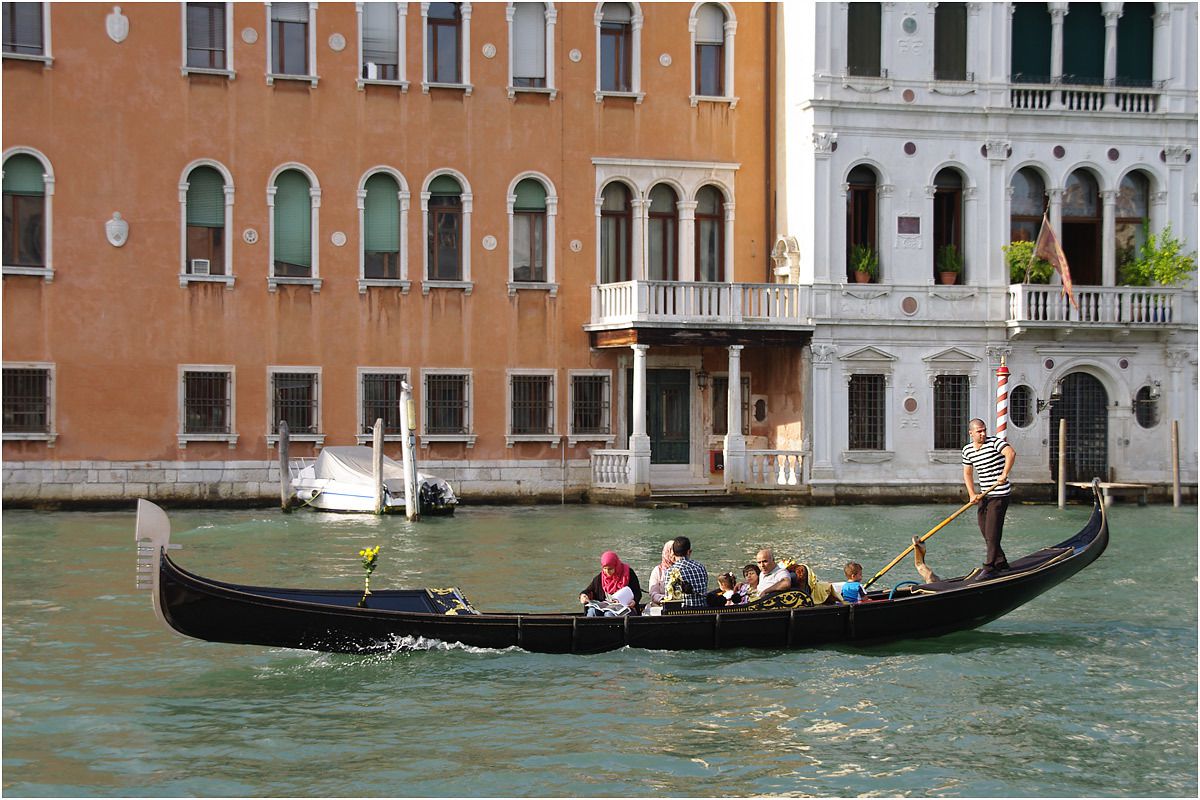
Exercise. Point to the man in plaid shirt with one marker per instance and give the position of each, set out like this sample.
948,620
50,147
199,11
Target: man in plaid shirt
693,574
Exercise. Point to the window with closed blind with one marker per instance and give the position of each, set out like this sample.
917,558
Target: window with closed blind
528,46
381,42
26,31
208,38
381,228
293,198
205,223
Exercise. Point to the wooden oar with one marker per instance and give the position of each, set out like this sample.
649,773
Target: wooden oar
937,528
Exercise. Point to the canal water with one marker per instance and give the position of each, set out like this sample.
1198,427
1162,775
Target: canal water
1089,690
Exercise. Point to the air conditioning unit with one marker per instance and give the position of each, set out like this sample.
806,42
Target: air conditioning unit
200,266
372,71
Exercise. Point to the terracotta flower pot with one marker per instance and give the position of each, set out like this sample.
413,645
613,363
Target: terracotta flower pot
948,278
862,277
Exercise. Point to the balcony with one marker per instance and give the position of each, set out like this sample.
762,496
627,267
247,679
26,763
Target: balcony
1058,96
1120,308
700,306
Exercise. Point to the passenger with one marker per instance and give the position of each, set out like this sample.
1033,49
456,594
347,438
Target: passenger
927,574
693,577
614,575
750,587
658,575
852,589
806,582
774,578
729,593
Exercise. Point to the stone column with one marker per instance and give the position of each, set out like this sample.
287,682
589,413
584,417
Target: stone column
735,440
821,422
1161,70
1057,12
639,442
687,239
1177,158
822,255
884,227
1112,13
1108,238
637,249
999,214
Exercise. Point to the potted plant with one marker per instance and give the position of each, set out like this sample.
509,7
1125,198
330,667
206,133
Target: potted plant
1160,261
865,263
949,264
1023,267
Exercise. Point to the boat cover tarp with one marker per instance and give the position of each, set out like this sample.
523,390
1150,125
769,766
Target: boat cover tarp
352,464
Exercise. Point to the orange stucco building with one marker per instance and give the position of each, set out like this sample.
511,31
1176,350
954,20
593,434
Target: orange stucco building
251,151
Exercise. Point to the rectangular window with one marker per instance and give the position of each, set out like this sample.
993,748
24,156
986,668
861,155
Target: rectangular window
24,219
444,31
867,414
720,398
381,400
207,399
615,48
863,39
206,35
380,42
294,399
951,411
529,45
532,404
23,34
590,405
289,39
447,404
710,70
27,400
950,42
529,246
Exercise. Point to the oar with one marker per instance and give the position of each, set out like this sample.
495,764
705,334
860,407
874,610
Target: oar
909,549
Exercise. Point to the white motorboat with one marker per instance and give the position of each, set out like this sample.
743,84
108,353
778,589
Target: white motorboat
341,479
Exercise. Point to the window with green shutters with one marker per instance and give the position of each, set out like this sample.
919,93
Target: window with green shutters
950,42
529,232
1030,43
1135,45
445,229
1083,45
24,212
863,39
205,222
293,226
381,223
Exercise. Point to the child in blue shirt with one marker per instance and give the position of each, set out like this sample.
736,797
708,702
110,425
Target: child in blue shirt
852,589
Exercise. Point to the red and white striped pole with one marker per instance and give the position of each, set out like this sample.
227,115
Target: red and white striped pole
1002,400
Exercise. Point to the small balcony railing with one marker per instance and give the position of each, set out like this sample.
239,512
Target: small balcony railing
1060,96
675,302
1133,306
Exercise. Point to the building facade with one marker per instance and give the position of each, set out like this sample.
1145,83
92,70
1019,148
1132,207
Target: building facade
609,245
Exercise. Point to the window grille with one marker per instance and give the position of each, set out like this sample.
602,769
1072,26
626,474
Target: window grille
381,400
206,399
532,404
951,411
294,401
206,35
867,413
1145,407
720,388
447,404
26,400
1020,406
590,405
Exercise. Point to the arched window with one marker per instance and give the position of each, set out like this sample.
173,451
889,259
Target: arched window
205,222
1135,45
863,39
1031,35
860,212
1020,406
293,235
710,235
381,228
1081,227
1083,45
947,223
1132,212
24,212
950,42
529,232
710,51
616,221
529,45
616,48
1028,205
663,235
445,233
444,48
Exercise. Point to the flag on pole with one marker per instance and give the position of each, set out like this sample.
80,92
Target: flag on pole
1048,249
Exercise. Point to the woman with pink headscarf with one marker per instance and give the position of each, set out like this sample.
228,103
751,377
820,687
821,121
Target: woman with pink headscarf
658,575
614,576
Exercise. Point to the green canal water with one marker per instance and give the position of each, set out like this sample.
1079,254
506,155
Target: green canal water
1089,690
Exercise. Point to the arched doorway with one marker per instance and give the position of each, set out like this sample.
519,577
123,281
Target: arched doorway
1083,403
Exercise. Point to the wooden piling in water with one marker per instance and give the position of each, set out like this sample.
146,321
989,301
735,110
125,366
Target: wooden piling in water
1062,463
285,475
1176,491
377,464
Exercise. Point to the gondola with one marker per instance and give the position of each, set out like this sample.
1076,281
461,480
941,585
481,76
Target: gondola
332,620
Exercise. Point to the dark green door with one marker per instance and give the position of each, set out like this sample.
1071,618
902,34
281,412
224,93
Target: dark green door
668,414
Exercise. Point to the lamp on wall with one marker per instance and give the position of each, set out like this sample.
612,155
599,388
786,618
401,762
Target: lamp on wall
1155,390
1055,396
702,379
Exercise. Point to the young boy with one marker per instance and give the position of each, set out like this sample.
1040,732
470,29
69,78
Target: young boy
852,589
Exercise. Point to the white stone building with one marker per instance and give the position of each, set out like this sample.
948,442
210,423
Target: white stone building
906,127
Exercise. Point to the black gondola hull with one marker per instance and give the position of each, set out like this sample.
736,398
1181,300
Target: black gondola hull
331,621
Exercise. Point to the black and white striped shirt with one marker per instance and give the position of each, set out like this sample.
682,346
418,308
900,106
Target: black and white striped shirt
987,463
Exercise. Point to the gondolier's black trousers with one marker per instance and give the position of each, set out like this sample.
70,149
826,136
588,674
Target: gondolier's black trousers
991,525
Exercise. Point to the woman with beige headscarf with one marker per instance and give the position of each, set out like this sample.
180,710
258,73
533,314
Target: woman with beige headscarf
660,573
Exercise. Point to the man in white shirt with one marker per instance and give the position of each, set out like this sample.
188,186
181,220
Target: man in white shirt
774,578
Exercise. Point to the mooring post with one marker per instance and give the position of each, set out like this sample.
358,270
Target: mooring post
377,464
408,424
285,474
1062,463
1176,492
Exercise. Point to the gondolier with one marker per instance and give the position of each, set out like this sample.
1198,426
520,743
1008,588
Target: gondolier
988,461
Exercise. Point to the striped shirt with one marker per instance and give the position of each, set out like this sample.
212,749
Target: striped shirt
988,462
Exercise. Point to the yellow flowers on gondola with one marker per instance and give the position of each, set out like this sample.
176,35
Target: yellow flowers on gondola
370,557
